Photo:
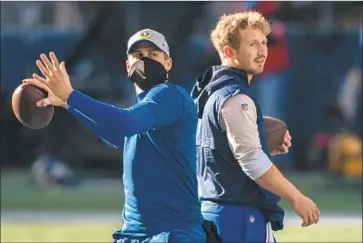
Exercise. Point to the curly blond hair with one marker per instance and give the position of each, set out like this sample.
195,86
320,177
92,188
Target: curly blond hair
227,29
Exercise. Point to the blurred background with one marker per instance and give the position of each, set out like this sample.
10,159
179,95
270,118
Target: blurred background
312,80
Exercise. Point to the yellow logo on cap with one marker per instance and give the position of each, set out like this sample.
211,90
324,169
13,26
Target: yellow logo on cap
145,35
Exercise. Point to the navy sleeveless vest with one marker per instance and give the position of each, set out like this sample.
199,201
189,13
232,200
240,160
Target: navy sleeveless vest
220,178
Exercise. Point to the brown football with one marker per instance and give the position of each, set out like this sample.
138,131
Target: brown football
275,130
24,107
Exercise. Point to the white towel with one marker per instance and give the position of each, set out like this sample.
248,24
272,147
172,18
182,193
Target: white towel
269,236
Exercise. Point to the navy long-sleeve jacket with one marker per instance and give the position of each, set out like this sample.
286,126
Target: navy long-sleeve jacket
159,159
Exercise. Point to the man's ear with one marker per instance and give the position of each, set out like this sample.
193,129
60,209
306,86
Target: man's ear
228,51
127,66
168,64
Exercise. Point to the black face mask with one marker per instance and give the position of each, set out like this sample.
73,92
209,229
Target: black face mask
147,73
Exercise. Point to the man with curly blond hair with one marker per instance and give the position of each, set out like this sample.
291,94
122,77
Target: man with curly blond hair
239,187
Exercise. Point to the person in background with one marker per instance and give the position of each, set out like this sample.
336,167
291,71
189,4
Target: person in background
272,85
49,172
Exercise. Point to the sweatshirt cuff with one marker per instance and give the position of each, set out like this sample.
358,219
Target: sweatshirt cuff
75,98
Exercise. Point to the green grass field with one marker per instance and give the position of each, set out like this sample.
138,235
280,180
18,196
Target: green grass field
16,194
37,232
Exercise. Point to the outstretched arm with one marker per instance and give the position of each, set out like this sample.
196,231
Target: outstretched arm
163,105
101,132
